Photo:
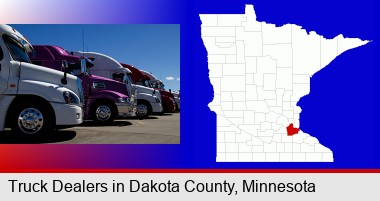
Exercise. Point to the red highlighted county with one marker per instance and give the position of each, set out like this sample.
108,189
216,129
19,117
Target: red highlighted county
291,130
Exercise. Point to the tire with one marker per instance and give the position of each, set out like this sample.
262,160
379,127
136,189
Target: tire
143,109
103,113
32,119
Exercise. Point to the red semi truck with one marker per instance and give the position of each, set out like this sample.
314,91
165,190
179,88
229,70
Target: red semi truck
140,78
158,84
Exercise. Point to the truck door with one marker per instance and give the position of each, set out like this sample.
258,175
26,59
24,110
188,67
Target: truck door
3,72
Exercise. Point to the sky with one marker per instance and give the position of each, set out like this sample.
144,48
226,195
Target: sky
151,47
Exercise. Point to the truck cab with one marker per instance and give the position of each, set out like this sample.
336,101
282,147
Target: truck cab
104,98
159,85
34,100
141,79
148,100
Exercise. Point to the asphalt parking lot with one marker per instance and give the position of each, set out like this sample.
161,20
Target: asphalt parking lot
157,129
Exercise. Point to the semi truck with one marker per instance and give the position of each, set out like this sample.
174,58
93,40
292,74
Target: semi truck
158,84
148,100
140,78
104,99
34,100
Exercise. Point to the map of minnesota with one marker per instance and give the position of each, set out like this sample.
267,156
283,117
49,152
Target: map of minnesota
259,72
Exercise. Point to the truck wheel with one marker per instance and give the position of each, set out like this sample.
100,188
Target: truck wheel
143,110
103,113
31,120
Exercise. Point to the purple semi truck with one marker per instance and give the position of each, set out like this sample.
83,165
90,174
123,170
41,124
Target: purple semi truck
104,99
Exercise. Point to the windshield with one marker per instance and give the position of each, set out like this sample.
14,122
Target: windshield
157,85
129,78
162,86
118,77
153,85
74,68
144,83
16,49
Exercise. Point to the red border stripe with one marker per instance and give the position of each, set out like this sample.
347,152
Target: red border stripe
189,170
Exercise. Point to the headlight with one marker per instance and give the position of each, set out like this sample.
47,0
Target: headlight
70,98
124,100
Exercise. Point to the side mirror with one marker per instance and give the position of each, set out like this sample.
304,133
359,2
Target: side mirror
65,65
170,90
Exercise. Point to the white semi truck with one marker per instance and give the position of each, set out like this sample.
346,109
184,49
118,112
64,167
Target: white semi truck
34,100
148,100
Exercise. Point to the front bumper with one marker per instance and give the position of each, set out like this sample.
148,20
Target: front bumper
156,107
66,114
126,109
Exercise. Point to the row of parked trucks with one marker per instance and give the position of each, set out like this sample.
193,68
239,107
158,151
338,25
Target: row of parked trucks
45,87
